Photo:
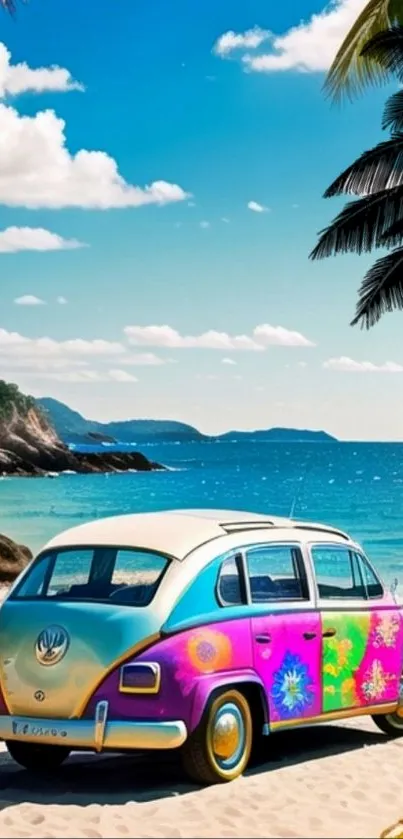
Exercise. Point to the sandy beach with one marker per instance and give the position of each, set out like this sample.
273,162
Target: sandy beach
335,781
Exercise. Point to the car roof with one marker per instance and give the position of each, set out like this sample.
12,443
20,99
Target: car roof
179,532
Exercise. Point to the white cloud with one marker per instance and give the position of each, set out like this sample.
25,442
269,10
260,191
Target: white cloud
25,351
257,208
312,45
19,78
70,360
268,335
302,364
122,376
14,239
86,376
263,336
61,300
348,365
228,361
37,169
166,336
230,41
205,224
144,359
29,300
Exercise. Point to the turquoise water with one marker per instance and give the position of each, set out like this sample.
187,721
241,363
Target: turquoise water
355,486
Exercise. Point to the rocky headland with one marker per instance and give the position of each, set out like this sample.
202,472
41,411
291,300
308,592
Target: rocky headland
30,446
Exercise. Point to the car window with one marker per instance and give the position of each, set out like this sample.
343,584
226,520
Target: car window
229,587
276,572
94,574
337,572
373,584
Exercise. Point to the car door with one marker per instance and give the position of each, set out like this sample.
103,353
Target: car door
362,631
286,631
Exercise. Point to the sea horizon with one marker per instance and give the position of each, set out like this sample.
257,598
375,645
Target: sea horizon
356,486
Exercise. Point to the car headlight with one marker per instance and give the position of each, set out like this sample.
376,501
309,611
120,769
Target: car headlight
140,677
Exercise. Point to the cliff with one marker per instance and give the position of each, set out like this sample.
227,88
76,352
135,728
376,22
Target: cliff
29,444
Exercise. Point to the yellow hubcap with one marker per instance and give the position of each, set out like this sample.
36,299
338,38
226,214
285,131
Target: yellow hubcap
226,736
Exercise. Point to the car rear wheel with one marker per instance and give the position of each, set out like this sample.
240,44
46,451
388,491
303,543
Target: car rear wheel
39,757
219,748
391,724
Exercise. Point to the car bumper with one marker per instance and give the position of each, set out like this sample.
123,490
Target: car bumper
95,734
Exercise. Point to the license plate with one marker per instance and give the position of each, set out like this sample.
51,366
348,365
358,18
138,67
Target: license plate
29,729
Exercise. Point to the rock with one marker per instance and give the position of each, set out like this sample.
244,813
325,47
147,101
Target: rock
13,559
30,446
114,462
100,438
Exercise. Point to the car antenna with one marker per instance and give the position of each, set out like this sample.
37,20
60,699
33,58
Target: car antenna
308,467
393,588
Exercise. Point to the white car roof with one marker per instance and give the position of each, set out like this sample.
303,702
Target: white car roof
179,532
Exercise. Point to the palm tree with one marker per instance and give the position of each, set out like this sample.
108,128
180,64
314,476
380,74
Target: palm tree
352,67
376,218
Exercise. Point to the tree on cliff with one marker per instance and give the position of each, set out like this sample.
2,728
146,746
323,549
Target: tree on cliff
11,398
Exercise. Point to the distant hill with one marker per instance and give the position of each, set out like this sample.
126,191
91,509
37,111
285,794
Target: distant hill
72,427
280,435
29,445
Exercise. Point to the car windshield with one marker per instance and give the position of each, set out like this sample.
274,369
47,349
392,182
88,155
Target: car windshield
98,574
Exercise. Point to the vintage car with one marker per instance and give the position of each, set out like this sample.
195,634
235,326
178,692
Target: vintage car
194,629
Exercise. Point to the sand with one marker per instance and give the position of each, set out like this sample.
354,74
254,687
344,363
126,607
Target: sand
330,781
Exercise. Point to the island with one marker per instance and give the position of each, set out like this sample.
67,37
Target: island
30,445
74,429
279,435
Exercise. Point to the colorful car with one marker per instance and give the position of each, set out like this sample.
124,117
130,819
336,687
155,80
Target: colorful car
197,630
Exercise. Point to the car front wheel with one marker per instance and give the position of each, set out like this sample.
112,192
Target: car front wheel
219,749
391,724
39,757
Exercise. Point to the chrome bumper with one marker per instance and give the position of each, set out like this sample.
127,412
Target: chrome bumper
96,734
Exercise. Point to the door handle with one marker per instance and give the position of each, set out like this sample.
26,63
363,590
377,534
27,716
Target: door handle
309,636
329,633
263,639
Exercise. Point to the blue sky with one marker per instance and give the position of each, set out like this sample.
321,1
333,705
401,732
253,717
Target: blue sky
216,124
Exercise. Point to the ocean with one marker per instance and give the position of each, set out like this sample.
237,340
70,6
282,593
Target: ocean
355,486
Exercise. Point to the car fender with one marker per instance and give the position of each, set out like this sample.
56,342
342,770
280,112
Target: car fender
208,684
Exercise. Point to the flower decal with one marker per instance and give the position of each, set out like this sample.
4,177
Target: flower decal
293,687
386,631
375,681
204,651
209,651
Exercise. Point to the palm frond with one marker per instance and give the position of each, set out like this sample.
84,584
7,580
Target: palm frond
376,169
385,49
381,290
393,236
393,113
361,224
350,71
